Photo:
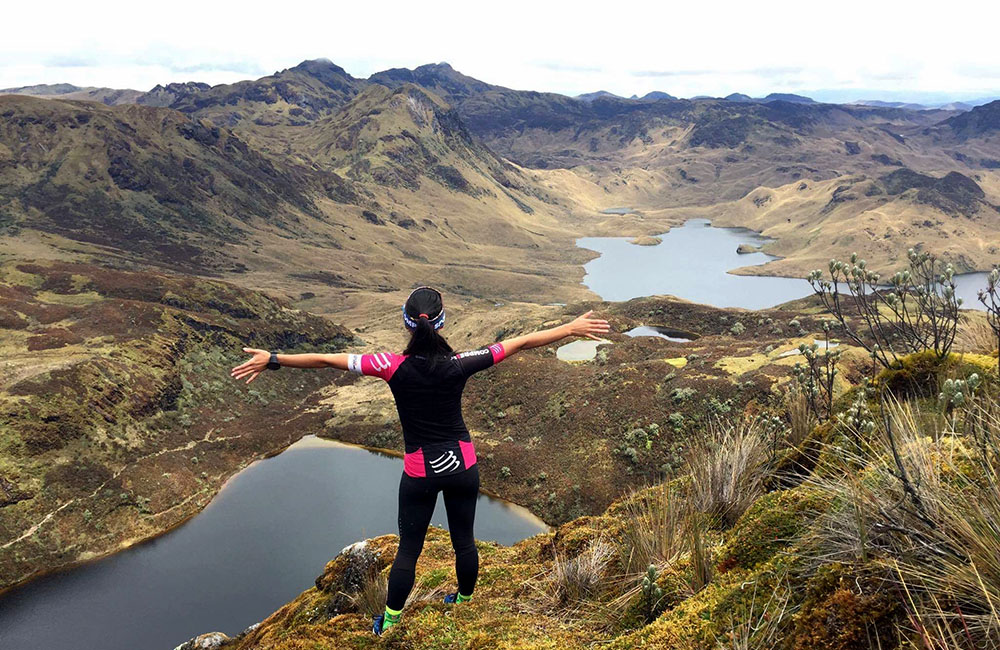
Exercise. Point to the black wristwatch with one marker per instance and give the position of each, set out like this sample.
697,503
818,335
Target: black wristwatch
273,364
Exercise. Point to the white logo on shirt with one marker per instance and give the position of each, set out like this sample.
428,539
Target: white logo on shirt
445,462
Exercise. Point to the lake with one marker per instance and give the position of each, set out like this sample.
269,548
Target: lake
262,541
693,262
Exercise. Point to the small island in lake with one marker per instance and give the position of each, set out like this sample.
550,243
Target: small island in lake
646,240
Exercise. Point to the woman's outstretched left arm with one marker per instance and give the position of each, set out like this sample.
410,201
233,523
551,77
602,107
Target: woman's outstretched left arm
257,363
583,326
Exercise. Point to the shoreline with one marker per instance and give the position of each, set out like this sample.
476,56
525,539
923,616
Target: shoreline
746,271
139,541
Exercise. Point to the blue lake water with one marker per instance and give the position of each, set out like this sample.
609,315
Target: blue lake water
693,262
257,545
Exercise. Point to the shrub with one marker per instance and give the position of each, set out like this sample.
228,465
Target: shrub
815,379
652,593
990,297
681,395
916,311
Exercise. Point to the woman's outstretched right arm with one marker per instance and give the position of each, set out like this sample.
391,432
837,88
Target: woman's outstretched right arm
583,326
257,363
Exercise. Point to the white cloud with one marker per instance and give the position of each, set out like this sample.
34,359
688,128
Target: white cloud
624,47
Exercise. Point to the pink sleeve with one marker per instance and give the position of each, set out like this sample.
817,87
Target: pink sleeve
382,364
498,352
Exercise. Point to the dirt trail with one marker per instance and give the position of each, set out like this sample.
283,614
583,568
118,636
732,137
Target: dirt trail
48,517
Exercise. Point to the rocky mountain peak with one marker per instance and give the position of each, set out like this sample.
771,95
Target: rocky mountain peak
979,121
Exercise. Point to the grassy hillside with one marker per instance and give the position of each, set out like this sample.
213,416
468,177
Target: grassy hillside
149,184
954,215
491,173
885,538
116,407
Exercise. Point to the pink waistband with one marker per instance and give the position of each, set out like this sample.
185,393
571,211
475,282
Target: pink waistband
413,462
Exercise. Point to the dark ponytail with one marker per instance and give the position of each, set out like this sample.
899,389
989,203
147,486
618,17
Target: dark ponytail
426,342
423,315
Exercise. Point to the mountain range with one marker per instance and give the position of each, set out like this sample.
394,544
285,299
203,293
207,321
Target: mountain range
225,178
124,96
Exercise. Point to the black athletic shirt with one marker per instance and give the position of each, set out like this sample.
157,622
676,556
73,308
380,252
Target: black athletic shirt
429,403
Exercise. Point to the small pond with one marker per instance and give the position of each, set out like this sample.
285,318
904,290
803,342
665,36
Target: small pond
659,332
580,350
257,545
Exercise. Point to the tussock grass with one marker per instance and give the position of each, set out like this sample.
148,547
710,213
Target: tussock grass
370,597
655,529
801,420
761,624
921,501
727,470
575,579
574,584
975,335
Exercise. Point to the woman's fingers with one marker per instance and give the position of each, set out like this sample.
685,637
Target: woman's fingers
241,367
246,369
250,366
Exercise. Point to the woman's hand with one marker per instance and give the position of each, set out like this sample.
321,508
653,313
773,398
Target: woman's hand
588,327
253,367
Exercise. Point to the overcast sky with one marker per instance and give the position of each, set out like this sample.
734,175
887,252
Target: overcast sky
837,51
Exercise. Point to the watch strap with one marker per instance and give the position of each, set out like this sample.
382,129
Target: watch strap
273,364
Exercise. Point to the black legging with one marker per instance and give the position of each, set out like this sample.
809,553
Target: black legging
417,497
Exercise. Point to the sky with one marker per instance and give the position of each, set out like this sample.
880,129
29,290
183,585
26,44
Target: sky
833,51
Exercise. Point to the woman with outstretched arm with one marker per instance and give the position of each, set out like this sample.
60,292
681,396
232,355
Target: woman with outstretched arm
427,381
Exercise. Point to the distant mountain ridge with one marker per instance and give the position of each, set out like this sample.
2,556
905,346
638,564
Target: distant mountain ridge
981,120
109,96
163,95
